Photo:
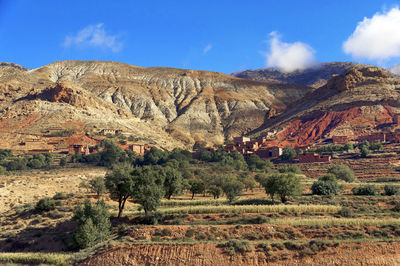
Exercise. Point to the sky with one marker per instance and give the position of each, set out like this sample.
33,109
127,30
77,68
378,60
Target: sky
224,36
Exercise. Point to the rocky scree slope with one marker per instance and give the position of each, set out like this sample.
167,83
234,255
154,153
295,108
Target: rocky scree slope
168,107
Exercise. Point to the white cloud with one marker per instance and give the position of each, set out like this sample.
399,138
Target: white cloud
395,69
207,49
94,35
376,38
289,56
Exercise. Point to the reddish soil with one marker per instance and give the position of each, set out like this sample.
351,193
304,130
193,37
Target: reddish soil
210,254
307,131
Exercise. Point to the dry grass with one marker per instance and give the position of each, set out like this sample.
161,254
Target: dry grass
35,258
248,209
336,222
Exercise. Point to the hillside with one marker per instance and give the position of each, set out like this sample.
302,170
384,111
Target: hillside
168,107
361,101
314,77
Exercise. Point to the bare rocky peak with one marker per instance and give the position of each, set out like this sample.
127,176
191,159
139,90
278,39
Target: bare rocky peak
314,77
12,65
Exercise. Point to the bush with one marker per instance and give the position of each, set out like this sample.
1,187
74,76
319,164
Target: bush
63,161
342,172
17,164
232,188
282,184
2,170
234,246
93,224
215,191
391,190
364,151
61,196
289,153
45,205
325,188
290,169
366,190
63,133
346,212
97,185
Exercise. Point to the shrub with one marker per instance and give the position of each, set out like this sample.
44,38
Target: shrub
215,191
61,196
97,185
391,190
63,161
289,153
234,246
346,212
232,188
45,205
326,185
366,190
2,170
93,224
342,172
364,151
17,164
63,133
290,169
376,146
325,188
284,185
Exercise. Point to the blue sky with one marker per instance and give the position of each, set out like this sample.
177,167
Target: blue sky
224,36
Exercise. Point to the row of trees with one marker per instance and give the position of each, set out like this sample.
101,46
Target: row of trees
37,161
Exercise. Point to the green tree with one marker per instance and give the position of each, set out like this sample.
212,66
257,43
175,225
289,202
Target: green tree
342,172
216,191
35,164
155,156
173,182
93,224
120,184
290,169
364,151
148,188
232,188
282,184
97,185
110,153
249,183
289,153
326,185
63,161
196,186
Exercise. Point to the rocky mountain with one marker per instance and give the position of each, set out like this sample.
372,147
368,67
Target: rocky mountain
170,107
361,101
165,106
314,77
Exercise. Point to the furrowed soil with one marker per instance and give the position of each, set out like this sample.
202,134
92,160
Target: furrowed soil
210,254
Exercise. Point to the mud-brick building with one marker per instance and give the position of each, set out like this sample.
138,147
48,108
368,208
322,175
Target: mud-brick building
340,139
269,152
311,157
79,149
378,136
139,149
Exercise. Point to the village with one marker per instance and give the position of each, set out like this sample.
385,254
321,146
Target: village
269,148
68,142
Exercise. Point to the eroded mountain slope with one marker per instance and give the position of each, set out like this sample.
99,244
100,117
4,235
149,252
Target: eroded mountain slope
171,107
